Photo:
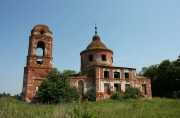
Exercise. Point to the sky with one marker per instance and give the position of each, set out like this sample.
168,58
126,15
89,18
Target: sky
140,33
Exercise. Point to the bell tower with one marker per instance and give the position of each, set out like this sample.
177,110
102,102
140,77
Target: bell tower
39,61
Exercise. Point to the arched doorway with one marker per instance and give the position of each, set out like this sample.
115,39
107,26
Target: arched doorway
81,88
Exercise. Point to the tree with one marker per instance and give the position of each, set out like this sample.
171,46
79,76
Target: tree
165,78
178,58
144,69
67,73
18,96
5,94
56,88
151,72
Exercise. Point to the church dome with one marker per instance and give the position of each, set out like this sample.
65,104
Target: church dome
96,43
96,54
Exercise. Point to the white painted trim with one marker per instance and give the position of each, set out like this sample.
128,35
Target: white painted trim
126,70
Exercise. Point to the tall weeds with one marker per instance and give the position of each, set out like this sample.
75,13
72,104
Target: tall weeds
155,108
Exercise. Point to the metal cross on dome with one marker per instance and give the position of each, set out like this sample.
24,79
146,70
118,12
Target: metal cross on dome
95,29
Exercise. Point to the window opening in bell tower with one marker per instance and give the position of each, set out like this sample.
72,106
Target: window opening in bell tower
40,49
39,61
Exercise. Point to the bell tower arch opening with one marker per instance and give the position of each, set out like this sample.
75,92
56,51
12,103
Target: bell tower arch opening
40,51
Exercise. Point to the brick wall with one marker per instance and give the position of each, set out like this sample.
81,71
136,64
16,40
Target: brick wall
97,58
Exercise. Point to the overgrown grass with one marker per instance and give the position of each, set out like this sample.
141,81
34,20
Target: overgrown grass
13,108
155,108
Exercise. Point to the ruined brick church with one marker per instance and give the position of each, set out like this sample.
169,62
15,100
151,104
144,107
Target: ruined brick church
96,66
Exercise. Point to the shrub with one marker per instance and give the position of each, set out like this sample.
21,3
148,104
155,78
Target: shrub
18,96
174,95
178,94
90,95
132,93
84,110
5,94
116,96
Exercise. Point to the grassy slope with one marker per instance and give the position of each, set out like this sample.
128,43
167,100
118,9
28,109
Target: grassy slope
155,108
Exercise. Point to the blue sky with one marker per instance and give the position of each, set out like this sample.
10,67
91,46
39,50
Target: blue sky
140,32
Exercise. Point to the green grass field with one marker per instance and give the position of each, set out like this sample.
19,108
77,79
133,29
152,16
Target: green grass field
154,108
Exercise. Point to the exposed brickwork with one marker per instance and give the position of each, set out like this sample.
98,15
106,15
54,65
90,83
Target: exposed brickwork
97,55
37,66
94,67
147,82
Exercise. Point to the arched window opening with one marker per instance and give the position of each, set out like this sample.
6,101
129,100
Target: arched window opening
126,75
90,57
103,57
40,49
81,87
106,74
116,74
117,87
39,61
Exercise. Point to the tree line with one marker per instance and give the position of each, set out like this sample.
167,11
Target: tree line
17,96
165,78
